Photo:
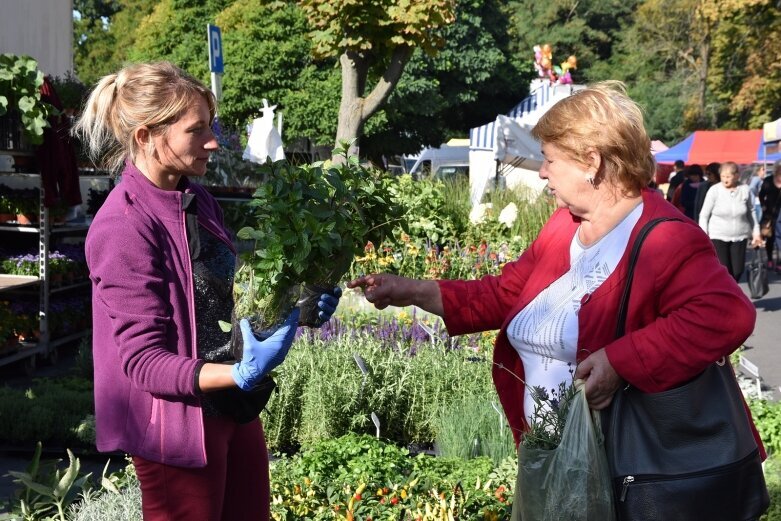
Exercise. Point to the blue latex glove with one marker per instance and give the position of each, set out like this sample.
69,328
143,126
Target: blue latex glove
327,304
261,357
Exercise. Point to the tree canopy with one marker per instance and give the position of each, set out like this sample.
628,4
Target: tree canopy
404,74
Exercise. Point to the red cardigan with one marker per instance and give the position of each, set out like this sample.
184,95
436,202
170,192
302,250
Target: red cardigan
685,310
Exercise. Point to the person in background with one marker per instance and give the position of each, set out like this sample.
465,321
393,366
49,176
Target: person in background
162,265
556,307
754,185
686,193
770,201
676,178
712,177
727,217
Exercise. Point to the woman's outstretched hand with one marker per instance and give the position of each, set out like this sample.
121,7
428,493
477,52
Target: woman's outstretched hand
602,381
385,290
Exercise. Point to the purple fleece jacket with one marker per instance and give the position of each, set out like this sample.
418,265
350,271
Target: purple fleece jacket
143,317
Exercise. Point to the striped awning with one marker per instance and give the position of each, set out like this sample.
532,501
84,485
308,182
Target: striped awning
484,137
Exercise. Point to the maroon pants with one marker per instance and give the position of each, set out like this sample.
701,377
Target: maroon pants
233,486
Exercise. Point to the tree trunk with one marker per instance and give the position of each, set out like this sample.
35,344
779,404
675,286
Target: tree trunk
355,109
702,93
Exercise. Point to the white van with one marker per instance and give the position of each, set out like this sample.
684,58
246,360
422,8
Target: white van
449,161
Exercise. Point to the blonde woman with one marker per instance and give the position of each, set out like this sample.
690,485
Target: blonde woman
727,216
161,261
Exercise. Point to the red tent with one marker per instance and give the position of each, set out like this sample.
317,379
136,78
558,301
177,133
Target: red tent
709,146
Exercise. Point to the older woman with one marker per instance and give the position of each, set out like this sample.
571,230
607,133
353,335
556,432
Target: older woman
556,307
727,217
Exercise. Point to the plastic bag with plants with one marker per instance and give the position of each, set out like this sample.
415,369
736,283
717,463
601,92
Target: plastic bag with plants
562,467
307,224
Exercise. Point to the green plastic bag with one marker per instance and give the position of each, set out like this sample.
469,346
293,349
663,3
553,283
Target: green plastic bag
570,482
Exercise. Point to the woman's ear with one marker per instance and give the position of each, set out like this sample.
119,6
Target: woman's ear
594,161
142,137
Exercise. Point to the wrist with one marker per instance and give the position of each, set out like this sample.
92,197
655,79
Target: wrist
240,377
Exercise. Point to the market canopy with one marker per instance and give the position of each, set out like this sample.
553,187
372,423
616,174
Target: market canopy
709,146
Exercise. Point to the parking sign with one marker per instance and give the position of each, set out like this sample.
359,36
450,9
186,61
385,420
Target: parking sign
215,49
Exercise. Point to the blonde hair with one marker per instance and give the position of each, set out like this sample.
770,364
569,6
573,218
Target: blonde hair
729,165
152,95
602,117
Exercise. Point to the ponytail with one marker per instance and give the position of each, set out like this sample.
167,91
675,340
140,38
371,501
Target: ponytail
95,128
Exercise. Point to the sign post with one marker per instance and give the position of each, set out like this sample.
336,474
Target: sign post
215,59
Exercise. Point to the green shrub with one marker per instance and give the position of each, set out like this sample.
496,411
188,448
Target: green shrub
767,416
472,427
359,477
118,500
107,506
322,393
773,479
49,410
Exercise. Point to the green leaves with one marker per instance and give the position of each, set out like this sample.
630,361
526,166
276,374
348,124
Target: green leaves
20,83
308,221
49,492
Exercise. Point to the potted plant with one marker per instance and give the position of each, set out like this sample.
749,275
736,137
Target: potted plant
71,92
309,222
7,205
20,101
27,209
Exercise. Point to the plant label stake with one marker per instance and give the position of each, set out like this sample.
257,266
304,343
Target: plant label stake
429,331
501,418
376,422
362,366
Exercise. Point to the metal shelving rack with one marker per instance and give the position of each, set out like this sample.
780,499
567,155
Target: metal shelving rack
45,346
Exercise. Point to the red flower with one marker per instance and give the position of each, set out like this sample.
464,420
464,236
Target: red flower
357,497
394,500
369,247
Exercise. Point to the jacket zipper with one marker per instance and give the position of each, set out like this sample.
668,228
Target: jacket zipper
628,481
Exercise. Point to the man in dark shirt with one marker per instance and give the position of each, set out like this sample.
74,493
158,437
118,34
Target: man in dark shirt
676,178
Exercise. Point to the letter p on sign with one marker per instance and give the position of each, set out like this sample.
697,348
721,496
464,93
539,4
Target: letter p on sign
215,49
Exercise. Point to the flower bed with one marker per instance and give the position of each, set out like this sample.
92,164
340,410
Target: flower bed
409,378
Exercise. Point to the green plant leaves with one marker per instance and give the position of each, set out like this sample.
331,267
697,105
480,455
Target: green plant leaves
306,221
20,83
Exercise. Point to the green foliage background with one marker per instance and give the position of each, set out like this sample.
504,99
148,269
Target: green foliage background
688,71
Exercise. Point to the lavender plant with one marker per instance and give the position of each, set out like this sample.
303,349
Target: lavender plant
549,416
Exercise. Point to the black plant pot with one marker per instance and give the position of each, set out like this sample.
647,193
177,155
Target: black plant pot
310,296
261,331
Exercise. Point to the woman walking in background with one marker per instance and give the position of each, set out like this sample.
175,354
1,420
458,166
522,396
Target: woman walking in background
727,216
770,201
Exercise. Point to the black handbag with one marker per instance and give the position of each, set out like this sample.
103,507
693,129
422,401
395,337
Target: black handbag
757,274
686,454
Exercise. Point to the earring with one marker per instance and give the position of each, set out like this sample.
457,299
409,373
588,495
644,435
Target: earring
590,179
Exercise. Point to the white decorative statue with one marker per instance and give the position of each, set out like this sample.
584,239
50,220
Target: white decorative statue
264,140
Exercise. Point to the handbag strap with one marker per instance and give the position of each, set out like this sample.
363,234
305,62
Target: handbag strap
624,304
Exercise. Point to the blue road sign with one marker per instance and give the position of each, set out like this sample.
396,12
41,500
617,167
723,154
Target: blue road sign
215,49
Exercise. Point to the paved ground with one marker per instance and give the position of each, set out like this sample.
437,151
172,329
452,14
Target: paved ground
761,349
